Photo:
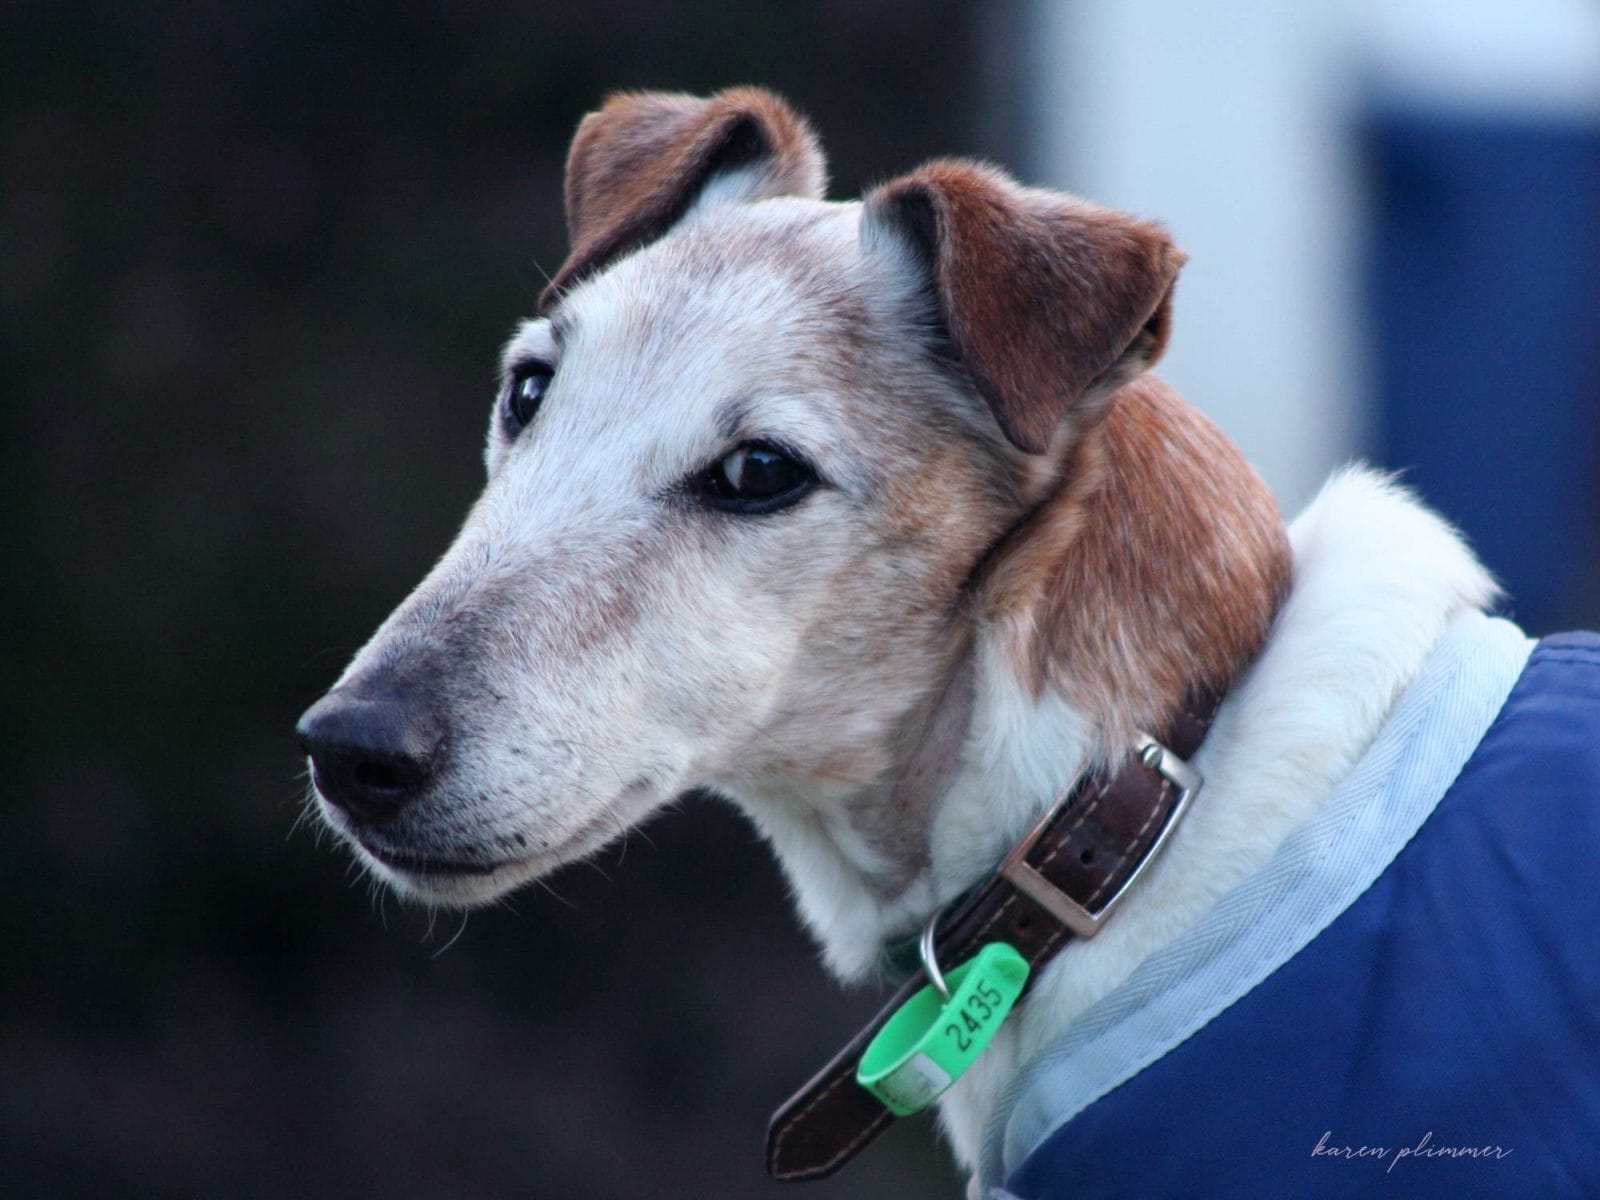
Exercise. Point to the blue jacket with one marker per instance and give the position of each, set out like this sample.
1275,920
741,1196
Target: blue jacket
1440,1037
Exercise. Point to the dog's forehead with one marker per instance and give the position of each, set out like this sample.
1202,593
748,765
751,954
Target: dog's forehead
739,292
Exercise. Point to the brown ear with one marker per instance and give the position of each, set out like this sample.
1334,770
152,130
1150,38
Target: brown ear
1050,300
640,161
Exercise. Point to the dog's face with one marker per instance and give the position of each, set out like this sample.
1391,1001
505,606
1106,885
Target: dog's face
740,477
722,550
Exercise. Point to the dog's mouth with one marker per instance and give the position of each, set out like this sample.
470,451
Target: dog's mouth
457,875
420,865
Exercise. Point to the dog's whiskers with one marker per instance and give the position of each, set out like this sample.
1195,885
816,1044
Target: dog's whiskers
593,752
546,886
456,937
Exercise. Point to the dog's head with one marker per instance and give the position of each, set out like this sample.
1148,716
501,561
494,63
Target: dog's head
749,473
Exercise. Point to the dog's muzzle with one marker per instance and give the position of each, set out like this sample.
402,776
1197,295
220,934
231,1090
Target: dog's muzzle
373,750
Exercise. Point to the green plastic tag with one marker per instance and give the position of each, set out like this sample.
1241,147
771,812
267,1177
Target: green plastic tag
930,1042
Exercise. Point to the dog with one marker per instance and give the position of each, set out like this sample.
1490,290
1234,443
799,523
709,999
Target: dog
870,517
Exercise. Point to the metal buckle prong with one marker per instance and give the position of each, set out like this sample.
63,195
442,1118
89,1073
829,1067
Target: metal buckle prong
1063,907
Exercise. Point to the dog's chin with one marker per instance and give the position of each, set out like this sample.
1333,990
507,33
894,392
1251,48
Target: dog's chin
464,876
447,882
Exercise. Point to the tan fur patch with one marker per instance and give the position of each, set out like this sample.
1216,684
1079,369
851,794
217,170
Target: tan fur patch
1155,570
639,161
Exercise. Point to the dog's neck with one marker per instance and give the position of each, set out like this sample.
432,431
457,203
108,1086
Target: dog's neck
1147,569
1376,580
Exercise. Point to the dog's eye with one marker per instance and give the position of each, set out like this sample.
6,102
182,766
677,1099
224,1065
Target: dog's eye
756,478
528,385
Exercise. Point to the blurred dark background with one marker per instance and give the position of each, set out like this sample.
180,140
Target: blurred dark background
256,262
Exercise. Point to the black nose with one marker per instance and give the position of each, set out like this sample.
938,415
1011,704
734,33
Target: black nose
371,755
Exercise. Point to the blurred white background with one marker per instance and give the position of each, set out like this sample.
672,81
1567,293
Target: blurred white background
1239,124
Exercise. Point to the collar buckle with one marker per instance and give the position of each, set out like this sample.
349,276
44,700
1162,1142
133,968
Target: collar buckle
1083,922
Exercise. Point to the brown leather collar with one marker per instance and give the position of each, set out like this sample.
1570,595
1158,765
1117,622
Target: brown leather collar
1062,881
